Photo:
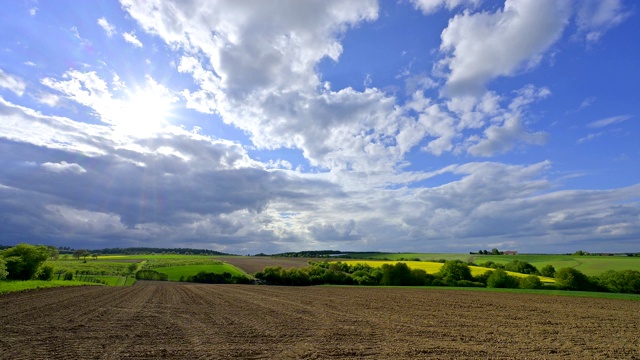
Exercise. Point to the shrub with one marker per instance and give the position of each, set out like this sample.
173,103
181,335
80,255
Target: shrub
467,283
572,279
522,267
482,278
68,275
45,273
151,275
3,269
23,260
530,282
500,279
626,281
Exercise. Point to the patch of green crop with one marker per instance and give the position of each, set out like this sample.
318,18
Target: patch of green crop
175,272
159,257
16,286
95,267
154,264
398,256
589,265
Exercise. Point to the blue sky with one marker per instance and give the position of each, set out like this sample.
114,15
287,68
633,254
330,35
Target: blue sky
270,126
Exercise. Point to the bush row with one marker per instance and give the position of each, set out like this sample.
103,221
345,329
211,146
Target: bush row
452,273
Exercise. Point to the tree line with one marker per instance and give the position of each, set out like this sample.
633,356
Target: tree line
452,273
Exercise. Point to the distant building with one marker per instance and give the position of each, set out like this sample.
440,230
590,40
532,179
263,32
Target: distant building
511,253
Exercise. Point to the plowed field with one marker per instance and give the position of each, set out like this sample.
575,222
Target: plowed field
191,321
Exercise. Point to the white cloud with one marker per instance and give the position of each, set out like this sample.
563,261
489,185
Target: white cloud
48,99
589,137
501,138
12,83
64,166
108,28
264,79
608,121
131,39
596,17
479,47
431,6
508,127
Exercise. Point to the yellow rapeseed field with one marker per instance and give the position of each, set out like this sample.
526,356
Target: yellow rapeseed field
434,267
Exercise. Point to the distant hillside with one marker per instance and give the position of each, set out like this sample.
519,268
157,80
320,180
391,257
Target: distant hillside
320,253
149,250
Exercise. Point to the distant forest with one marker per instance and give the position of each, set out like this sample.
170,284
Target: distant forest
145,251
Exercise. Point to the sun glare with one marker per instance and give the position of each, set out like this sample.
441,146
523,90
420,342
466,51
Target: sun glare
145,111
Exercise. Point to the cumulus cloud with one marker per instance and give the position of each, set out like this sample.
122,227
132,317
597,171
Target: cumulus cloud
479,47
264,78
109,29
12,83
179,188
131,39
64,166
596,17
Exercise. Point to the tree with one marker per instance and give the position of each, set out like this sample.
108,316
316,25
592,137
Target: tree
396,275
78,253
572,279
3,269
23,260
522,267
94,256
500,279
548,271
455,270
625,281
54,253
495,251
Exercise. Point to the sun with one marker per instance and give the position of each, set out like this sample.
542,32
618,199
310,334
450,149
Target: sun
145,111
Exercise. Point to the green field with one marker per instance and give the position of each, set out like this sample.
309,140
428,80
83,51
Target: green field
90,266
398,256
159,256
175,272
7,286
589,265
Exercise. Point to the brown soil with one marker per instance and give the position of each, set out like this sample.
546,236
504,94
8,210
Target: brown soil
257,263
192,321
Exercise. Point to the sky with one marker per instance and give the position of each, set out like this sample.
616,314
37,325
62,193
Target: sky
360,125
